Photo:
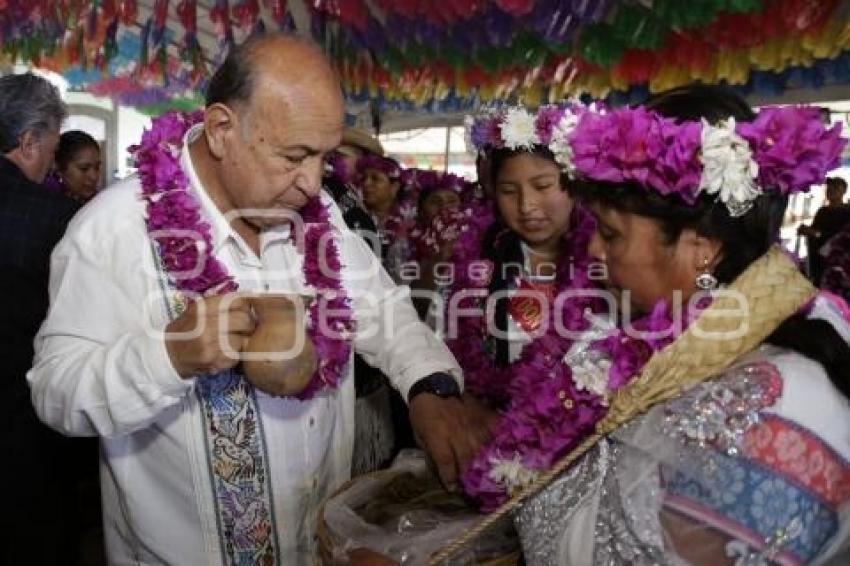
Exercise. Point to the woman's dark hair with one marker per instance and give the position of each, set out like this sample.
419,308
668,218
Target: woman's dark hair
743,239
501,246
71,143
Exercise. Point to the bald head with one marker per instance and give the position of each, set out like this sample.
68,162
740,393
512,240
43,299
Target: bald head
285,65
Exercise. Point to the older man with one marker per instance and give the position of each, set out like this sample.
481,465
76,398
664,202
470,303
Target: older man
199,467
32,221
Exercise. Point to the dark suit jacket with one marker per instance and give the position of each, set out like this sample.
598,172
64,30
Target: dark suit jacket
32,221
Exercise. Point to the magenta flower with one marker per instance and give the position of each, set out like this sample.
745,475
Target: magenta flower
548,118
487,132
792,147
640,146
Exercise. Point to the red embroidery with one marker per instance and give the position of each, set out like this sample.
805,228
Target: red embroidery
798,454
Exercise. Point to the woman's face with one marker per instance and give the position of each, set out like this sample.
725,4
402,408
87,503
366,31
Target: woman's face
350,155
436,202
641,261
82,173
379,191
531,200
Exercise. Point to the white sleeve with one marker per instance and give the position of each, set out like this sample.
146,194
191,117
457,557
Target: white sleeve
389,334
101,368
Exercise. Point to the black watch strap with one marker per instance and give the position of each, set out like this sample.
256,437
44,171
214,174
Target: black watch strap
440,384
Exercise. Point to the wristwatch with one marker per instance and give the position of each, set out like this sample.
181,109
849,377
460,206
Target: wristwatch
440,384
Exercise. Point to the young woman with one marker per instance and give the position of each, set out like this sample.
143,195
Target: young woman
436,192
393,213
78,163
750,466
519,254
440,198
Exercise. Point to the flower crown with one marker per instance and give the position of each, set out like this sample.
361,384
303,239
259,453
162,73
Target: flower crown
517,128
784,150
425,181
389,167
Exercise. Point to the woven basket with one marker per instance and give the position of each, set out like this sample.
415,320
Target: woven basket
326,543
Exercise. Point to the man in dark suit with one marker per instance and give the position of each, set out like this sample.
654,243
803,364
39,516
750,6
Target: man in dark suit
830,219
36,473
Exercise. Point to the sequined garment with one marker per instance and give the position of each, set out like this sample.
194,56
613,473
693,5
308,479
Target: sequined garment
544,517
627,529
723,458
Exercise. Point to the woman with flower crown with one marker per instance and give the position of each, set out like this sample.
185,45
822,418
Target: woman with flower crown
519,249
385,198
442,212
739,366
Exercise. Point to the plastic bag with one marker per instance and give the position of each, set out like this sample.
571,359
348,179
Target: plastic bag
405,514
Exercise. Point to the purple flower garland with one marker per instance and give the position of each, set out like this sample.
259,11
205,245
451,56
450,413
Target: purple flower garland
547,413
184,242
782,150
481,376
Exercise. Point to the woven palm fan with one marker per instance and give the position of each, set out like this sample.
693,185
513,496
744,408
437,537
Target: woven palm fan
773,289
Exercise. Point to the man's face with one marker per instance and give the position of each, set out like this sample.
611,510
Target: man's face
49,143
835,193
274,161
37,153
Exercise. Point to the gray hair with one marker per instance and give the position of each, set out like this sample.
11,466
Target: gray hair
28,103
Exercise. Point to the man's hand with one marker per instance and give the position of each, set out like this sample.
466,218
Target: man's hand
480,416
451,431
219,324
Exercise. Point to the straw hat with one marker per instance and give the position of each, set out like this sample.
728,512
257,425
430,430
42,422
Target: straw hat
362,139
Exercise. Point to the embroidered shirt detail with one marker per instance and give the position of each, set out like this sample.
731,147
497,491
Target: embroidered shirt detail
237,459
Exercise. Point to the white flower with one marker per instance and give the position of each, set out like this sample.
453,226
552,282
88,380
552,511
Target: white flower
591,374
596,108
518,129
728,167
560,145
511,473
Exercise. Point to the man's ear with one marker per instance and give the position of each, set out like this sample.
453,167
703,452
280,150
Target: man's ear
220,123
30,147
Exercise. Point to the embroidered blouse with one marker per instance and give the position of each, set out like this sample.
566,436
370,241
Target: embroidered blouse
753,465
